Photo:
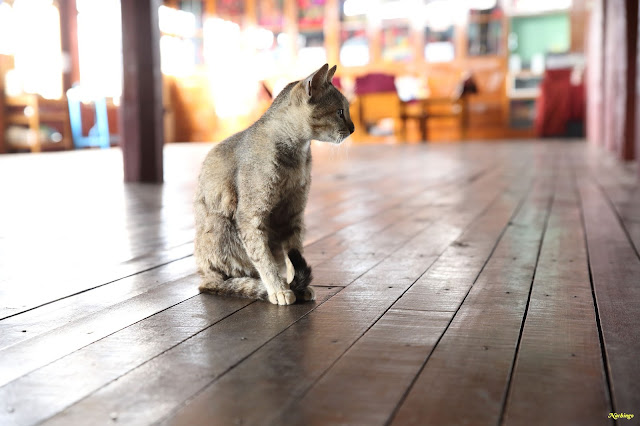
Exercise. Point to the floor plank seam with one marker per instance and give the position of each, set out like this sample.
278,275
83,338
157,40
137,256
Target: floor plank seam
489,204
98,286
238,362
478,174
458,180
603,350
505,399
186,402
148,360
394,412
621,221
417,211
102,338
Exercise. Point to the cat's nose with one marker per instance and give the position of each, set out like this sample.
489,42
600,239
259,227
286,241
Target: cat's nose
352,128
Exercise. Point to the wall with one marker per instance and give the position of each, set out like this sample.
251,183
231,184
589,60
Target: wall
541,34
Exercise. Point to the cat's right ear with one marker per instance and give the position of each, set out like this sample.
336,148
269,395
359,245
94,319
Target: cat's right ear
314,83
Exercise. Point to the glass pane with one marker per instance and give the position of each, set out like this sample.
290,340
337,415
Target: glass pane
354,47
485,38
311,14
311,48
485,32
354,43
270,13
396,45
439,44
230,10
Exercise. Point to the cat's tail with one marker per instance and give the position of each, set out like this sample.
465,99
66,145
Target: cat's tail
251,288
302,276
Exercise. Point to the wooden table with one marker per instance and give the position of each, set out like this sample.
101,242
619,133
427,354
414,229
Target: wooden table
422,111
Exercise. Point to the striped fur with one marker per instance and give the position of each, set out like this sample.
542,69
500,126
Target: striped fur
253,189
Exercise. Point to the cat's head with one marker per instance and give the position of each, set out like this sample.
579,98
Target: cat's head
329,116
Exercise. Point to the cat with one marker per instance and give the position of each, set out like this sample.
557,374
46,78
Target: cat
253,189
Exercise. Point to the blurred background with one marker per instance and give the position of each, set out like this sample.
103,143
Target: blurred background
414,70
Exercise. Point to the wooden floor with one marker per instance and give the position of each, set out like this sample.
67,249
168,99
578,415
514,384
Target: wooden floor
476,284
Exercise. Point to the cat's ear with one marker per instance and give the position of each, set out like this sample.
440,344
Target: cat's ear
330,74
315,82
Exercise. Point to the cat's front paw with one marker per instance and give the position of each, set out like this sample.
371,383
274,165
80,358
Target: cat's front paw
282,297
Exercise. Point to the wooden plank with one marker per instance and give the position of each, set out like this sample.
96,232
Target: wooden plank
615,268
187,367
383,375
482,337
142,131
58,314
408,228
17,360
67,380
51,317
364,386
313,344
621,189
20,296
559,363
444,286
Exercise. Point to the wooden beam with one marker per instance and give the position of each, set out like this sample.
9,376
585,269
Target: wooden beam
615,72
637,120
595,74
628,148
142,131
69,41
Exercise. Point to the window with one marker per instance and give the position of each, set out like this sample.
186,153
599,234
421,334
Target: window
100,47
37,49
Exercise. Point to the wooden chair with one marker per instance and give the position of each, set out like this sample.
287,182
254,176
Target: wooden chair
98,135
32,112
376,99
439,106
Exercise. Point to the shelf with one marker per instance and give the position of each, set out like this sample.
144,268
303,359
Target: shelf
524,94
53,113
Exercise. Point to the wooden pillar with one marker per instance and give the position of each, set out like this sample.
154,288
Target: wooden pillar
141,129
627,150
2,125
615,58
69,42
595,74
637,135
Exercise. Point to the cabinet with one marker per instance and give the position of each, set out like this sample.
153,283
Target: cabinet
34,123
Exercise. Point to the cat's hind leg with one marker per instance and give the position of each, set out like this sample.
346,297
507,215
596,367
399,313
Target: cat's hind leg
251,288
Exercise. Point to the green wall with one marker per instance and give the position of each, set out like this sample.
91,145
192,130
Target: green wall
541,34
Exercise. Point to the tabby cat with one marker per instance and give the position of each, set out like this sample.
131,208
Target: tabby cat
253,189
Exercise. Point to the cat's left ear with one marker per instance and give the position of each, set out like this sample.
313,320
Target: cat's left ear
331,72
315,82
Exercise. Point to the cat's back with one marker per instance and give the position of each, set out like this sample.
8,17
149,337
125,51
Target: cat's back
216,183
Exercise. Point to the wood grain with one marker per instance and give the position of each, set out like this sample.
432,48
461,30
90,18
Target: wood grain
559,363
615,268
470,366
313,344
445,274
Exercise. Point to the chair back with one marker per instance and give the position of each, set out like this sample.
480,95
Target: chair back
99,134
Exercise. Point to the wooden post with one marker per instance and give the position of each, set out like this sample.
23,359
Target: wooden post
628,144
141,131
615,57
595,74
69,41
637,142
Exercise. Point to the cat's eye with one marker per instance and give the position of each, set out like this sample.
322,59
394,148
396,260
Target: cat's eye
340,113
